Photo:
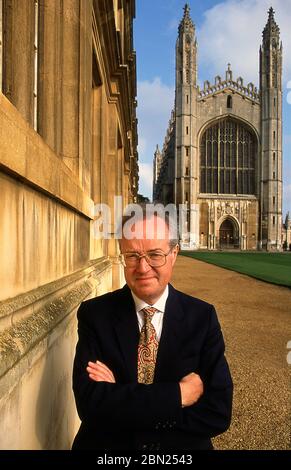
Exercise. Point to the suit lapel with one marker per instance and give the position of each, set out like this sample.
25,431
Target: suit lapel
127,331
171,337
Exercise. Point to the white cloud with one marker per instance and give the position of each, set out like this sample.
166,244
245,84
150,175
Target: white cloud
155,96
155,102
146,179
232,32
142,145
287,198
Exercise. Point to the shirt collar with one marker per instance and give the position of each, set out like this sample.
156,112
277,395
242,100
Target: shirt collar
160,304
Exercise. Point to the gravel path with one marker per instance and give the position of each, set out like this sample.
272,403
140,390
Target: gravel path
256,321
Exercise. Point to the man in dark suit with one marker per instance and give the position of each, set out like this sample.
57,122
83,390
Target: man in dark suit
149,371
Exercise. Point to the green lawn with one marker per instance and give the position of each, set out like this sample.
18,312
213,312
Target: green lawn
270,267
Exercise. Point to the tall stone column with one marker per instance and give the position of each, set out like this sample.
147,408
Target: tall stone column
186,117
271,131
70,70
18,55
49,90
111,172
85,108
1,42
126,175
112,155
97,138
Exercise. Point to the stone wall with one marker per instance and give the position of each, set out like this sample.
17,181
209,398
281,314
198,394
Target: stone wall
67,142
44,238
37,409
215,107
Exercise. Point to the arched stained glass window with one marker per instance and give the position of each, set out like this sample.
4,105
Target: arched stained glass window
228,152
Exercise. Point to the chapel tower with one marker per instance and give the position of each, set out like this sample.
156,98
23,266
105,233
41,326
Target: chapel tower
271,135
186,168
222,156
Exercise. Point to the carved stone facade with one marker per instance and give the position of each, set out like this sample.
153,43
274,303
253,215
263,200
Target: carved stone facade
286,233
68,139
225,158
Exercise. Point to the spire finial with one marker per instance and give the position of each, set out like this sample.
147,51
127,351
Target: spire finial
186,23
271,13
271,28
186,10
229,67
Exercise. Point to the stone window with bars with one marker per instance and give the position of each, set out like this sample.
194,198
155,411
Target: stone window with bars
228,152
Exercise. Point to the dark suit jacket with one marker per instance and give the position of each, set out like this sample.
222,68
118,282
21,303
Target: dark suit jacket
132,416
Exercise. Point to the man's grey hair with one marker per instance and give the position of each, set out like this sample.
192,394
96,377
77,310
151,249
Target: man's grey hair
139,212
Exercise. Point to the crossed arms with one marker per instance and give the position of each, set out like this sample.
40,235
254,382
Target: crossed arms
191,386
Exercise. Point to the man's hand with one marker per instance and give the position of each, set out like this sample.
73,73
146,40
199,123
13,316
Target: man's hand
191,387
99,372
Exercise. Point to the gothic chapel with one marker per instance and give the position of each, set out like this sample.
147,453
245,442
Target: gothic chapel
222,155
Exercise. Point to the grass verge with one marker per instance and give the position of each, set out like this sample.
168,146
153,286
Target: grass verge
271,267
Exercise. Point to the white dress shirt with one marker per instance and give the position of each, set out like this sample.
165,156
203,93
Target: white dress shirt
158,317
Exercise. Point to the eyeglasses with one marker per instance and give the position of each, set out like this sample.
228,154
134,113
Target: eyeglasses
155,259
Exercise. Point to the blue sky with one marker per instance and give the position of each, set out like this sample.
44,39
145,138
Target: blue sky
227,31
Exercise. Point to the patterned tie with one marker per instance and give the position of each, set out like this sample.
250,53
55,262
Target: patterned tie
147,348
